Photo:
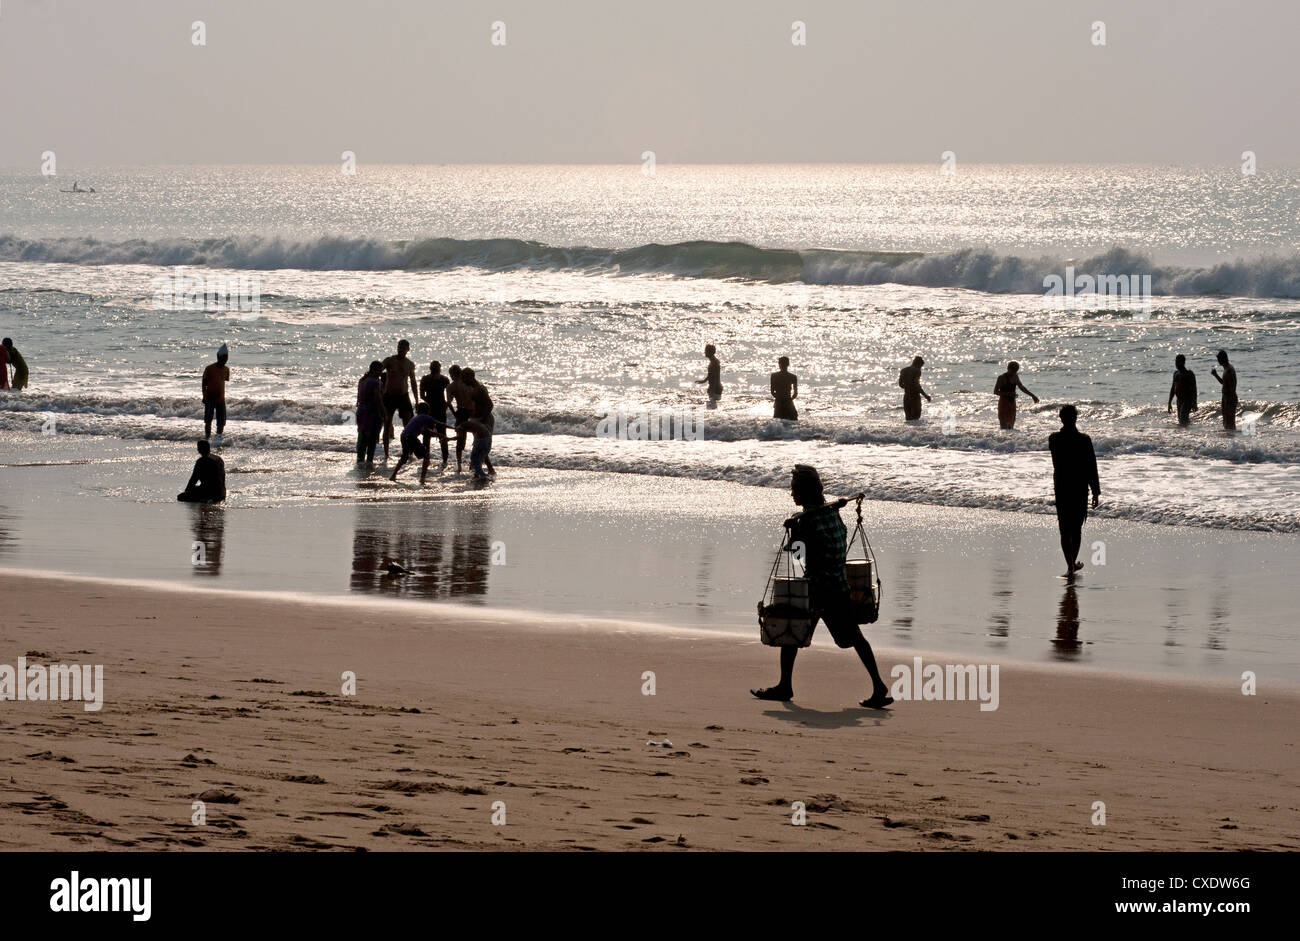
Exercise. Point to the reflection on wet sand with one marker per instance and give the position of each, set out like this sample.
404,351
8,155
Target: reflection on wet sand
1066,643
1000,621
444,548
208,524
6,537
905,595
1216,637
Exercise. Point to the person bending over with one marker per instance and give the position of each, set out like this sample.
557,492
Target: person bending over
415,440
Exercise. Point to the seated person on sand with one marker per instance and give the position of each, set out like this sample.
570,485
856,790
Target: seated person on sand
825,544
208,481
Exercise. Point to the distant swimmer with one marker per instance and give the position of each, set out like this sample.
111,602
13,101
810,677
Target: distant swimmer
1074,472
458,399
415,440
1183,389
909,380
370,413
215,378
1005,390
713,377
785,389
433,389
19,364
1229,382
208,480
399,375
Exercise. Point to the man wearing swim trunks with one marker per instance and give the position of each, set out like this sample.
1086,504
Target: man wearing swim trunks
820,532
459,398
415,440
785,389
1005,390
433,389
400,373
1229,382
909,380
215,378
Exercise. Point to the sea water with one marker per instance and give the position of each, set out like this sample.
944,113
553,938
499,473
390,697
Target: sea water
577,292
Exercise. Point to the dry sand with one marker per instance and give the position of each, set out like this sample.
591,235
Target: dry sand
458,708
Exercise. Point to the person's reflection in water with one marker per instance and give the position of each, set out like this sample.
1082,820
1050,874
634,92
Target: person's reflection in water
905,596
1216,638
209,526
1000,625
6,537
1066,641
471,556
424,550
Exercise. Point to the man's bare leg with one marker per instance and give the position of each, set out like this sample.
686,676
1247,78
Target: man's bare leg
784,690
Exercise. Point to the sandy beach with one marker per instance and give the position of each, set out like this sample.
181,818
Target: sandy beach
236,697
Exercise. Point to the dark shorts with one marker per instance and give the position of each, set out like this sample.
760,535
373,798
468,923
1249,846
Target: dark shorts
834,611
911,405
1070,513
785,409
1007,411
414,445
461,415
1184,412
398,403
214,408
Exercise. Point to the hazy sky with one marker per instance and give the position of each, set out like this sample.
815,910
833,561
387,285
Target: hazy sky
419,81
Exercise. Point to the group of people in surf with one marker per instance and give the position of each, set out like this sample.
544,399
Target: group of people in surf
784,386
457,402
387,391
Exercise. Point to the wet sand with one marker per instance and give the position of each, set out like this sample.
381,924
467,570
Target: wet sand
237,697
690,553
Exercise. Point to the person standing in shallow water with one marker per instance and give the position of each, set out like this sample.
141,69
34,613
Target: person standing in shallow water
785,389
1005,390
1229,382
458,398
215,378
433,389
825,544
399,373
713,377
909,380
1183,389
19,364
1074,472
370,413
